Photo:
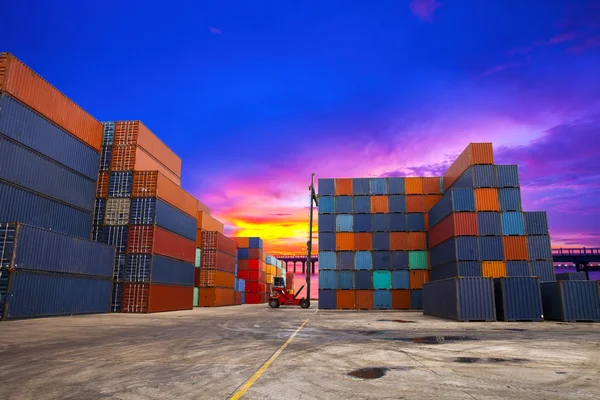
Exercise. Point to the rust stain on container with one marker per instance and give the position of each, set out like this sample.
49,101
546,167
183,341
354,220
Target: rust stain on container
398,240
417,241
475,153
413,185
363,300
24,84
515,248
343,187
401,299
415,203
345,299
363,241
155,184
431,200
432,185
418,278
487,200
379,204
344,241
494,269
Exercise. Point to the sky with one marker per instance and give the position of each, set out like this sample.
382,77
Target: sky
254,96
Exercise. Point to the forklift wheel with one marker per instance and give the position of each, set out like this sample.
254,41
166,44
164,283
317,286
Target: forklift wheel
304,303
274,303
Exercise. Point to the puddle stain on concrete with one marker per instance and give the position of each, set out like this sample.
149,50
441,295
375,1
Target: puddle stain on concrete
434,339
400,321
374,372
476,360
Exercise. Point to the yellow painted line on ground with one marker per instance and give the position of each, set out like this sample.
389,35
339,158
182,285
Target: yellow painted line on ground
242,391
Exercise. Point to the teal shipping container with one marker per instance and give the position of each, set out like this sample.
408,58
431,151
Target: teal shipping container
382,279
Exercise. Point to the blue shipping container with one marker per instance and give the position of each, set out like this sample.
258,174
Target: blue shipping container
461,299
488,224
536,223
381,259
326,204
400,280
39,294
108,134
518,268
571,301
363,280
397,204
105,158
362,223
382,299
327,299
456,269
116,236
398,223
345,279
381,241
147,268
544,270
399,260
378,186
455,200
363,260
20,123
244,254
491,248
344,223
254,242
150,210
507,175
539,247
415,222
326,241
512,223
19,205
380,222
465,248
326,260
99,211
518,299
396,186
116,297
510,199
477,176
327,280
362,204
344,260
120,184
33,171
326,187
361,186
416,299
571,276
343,205
119,268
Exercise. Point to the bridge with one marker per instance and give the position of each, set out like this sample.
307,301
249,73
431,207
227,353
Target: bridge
298,260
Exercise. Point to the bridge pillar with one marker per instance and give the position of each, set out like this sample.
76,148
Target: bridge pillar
587,273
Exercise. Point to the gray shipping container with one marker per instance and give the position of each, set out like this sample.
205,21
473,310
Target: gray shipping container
571,301
518,299
571,276
461,299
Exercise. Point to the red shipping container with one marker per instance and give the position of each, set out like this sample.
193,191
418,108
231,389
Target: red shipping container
196,276
398,241
363,300
289,281
254,265
216,297
363,241
255,298
216,278
401,299
257,276
345,299
418,278
256,287
237,298
255,254
474,154
145,298
432,185
515,248
218,241
149,239
214,259
379,204
415,203
417,241
102,185
242,265
155,184
455,224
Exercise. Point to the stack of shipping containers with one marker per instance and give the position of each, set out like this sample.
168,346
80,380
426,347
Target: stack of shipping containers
252,269
142,211
373,241
217,270
49,152
205,222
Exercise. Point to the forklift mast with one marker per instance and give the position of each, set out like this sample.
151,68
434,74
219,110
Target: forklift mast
313,200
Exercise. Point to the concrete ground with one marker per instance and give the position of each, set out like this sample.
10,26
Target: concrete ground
211,353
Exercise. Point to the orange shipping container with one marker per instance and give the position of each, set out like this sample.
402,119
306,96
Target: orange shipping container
243,242
345,299
493,269
203,207
413,185
363,300
474,154
144,298
24,84
363,241
515,248
415,204
149,239
155,184
487,200
432,185
215,297
455,224
379,204
130,158
431,200
136,133
216,278
344,241
418,278
401,299
102,185
343,187
209,223
398,241
417,241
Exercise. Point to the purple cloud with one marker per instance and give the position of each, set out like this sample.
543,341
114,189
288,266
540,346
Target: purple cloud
501,67
563,37
588,44
214,30
424,9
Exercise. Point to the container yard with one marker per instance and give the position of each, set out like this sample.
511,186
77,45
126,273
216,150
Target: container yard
419,278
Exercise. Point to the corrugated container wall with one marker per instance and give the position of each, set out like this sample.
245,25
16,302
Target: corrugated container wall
461,299
518,299
571,301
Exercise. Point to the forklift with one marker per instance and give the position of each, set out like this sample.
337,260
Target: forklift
279,295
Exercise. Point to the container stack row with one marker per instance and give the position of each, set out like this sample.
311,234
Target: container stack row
373,241
571,298
252,268
49,154
142,210
216,275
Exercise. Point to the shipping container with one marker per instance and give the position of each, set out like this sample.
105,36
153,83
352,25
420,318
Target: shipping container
218,241
456,269
363,280
477,176
29,128
400,260
255,243
145,298
345,299
415,203
536,223
144,239
344,241
382,279
216,278
380,222
255,298
155,184
571,276
344,223
518,268
116,236
343,187
327,279
117,211
252,276
400,279
398,223
431,200
130,158
378,186
244,242
379,204
381,260
539,247
243,254
396,186
510,199
413,185
362,223
326,187
99,211
490,248
197,258
488,224
544,270
362,204
515,248
196,293
116,297
326,260
456,200
120,184
381,241
461,299
345,260
382,299
415,222
455,224
417,259
326,205
206,222
147,268
432,185
343,205
216,259
42,294
150,211
363,260
418,278
487,200
512,223
416,240
31,89
493,269
24,206
416,299
400,299
30,170
363,241
326,223
105,159
508,176
327,299
474,154
363,300
571,301
518,299
464,248
102,185
25,247
397,204
97,233
119,268
108,134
